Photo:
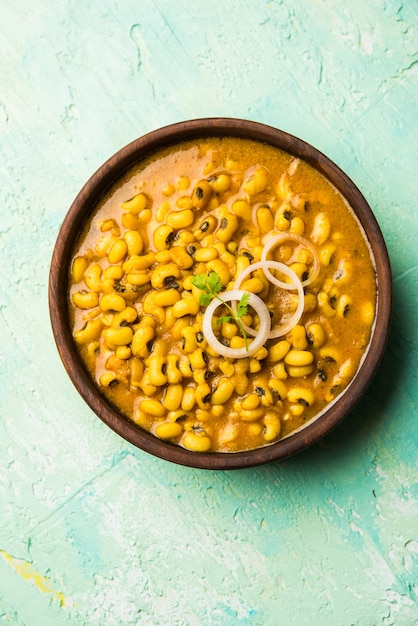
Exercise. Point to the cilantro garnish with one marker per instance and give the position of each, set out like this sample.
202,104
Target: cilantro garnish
211,285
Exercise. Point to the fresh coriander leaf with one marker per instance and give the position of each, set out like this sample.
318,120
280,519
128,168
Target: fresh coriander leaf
205,299
199,281
242,308
214,282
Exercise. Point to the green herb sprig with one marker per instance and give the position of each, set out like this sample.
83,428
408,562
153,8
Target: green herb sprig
211,285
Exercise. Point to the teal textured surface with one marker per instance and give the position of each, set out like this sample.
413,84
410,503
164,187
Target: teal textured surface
94,531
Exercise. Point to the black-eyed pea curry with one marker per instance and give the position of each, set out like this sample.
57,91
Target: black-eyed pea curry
222,294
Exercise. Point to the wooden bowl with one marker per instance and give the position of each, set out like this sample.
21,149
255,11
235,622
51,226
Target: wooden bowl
86,202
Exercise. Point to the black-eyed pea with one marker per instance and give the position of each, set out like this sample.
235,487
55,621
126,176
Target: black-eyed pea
110,224
264,392
152,407
156,370
198,358
252,401
118,251
169,189
265,218
202,395
136,367
344,272
310,302
223,392
321,229
254,285
113,272
180,257
174,375
300,269
166,297
173,397
204,255
221,183
180,219
252,415
301,395
123,352
203,415
298,338
183,183
227,368
146,386
168,430
169,319
325,304
255,366
237,342
242,262
326,253
206,228
112,302
140,340
283,217
189,399
344,304
136,204
163,256
278,351
163,274
254,429
85,299
201,194
278,388
272,426
184,202
78,268
89,333
107,379
134,242
177,329
297,410
129,221
367,312
136,263
118,336
297,225
221,268
316,335
229,224
330,353
261,354
217,410
242,208
138,279
257,182
185,367
299,371
163,236
185,306
162,211
196,442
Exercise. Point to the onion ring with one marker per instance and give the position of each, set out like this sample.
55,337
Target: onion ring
261,335
274,241
295,285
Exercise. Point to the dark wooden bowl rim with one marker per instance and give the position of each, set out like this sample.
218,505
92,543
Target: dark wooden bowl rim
84,204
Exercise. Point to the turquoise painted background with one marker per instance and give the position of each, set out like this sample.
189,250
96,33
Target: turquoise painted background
94,531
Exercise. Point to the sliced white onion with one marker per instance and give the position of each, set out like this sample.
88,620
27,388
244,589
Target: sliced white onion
261,335
282,237
296,284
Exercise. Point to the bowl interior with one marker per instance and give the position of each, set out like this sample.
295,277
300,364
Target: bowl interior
85,203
